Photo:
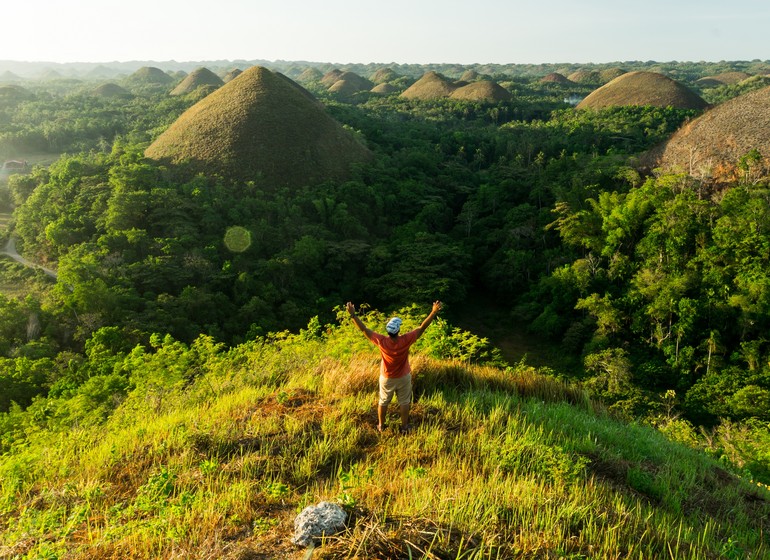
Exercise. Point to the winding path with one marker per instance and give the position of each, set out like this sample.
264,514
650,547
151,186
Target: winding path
10,250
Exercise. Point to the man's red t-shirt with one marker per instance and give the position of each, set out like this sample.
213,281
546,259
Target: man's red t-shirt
394,352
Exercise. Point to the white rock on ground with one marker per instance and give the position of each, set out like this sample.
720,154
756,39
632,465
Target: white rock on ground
317,521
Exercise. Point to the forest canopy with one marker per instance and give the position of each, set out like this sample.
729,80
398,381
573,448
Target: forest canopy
652,287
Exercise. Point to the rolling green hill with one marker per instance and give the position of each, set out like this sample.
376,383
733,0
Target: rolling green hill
179,451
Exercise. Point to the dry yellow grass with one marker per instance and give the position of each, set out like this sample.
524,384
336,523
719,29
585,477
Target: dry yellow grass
483,90
555,78
431,85
197,78
725,78
383,75
643,88
330,77
585,77
711,145
263,127
469,75
384,89
350,83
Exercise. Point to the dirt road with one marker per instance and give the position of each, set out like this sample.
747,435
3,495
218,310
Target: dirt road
10,250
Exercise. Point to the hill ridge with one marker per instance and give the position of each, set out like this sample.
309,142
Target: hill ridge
211,452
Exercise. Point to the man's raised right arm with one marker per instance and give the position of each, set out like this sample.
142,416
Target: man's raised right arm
437,305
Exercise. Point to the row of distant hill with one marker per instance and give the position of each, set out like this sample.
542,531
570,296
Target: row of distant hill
277,112
596,73
708,146
471,85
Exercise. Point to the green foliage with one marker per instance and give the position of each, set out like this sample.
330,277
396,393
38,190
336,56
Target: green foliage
722,93
225,456
353,482
442,340
653,282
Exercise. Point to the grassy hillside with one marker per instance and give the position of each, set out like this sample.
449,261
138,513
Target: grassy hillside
201,452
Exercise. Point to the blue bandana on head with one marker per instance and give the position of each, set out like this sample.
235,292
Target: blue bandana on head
393,326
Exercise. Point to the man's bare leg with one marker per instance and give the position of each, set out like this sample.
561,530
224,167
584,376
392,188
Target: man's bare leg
404,411
382,412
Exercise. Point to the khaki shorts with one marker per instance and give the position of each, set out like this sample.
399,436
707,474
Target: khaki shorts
401,386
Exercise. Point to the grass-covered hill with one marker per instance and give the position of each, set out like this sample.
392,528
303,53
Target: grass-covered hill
262,127
176,451
199,77
383,75
556,78
111,90
723,78
726,142
482,91
149,75
642,88
309,75
431,85
350,83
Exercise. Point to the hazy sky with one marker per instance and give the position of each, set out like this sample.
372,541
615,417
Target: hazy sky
402,31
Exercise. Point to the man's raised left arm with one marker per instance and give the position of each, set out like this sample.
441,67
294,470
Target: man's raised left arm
357,320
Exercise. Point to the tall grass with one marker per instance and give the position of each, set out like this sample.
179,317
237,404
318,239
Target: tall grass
503,463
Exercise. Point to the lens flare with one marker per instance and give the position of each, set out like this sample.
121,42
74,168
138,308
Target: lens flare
237,239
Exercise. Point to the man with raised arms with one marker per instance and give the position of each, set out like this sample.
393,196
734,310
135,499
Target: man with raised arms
395,371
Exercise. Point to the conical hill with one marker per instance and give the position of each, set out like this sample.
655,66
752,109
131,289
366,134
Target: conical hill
149,75
643,88
331,77
585,77
431,85
555,78
232,74
309,75
384,89
195,79
9,76
261,126
383,75
111,90
725,78
484,90
350,83
711,145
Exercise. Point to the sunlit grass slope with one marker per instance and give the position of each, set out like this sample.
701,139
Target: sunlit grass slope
212,452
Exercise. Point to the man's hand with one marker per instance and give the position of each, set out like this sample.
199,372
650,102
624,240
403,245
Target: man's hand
356,320
437,305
